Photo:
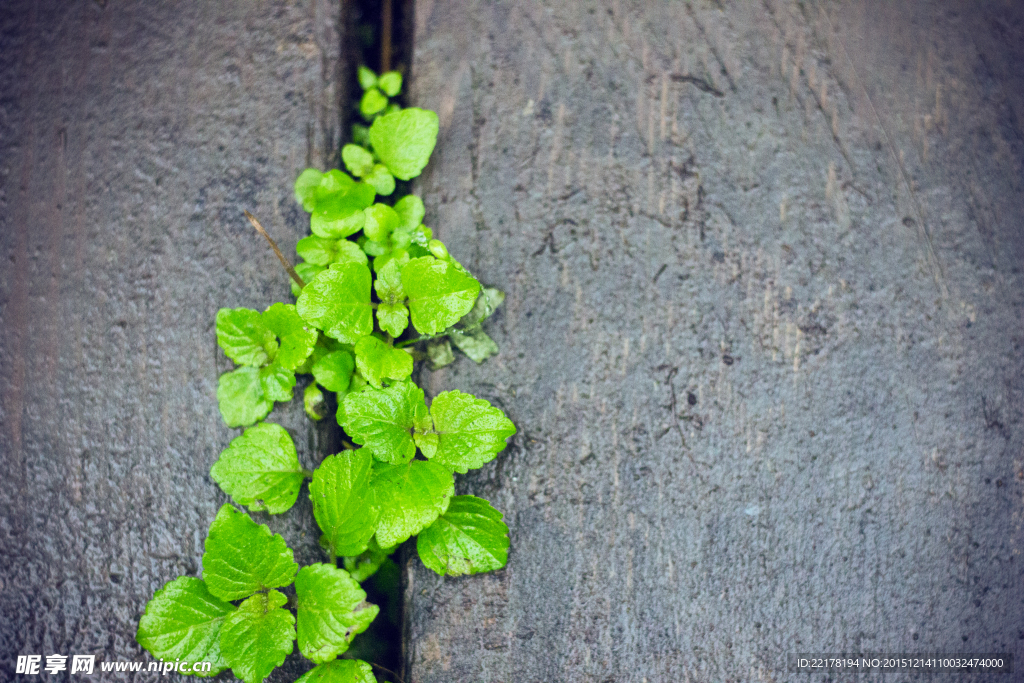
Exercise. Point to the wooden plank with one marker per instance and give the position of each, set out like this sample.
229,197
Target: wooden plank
133,136
762,339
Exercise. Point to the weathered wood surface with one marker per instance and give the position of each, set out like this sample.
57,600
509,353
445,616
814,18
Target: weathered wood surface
799,226
132,136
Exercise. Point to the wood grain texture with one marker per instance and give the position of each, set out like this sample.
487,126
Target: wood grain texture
787,234
132,137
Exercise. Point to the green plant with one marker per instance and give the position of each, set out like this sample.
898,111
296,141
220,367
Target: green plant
374,291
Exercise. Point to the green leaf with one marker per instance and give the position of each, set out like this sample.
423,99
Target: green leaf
305,188
476,344
332,610
374,248
390,83
381,219
403,140
256,638
439,353
244,336
243,557
324,252
357,160
411,497
308,273
334,181
489,300
469,538
383,420
343,502
340,671
297,337
314,402
260,469
392,315
240,397
367,78
381,179
373,101
411,211
324,346
470,431
183,621
364,565
339,213
378,361
399,256
439,293
360,135
421,236
338,302
277,382
334,371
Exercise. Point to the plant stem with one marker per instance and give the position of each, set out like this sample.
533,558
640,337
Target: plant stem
273,245
386,21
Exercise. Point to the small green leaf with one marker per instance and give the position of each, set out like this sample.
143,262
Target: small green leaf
470,430
339,213
308,273
314,402
489,300
367,78
332,182
411,496
403,140
324,346
374,248
439,353
411,211
338,302
343,502
340,671
277,382
256,638
244,336
360,135
305,188
439,293
183,621
390,83
243,557
381,219
240,397
332,610
476,344
260,469
297,337
373,102
378,362
399,256
334,371
392,315
421,236
383,420
357,160
469,538
381,179
324,252
364,565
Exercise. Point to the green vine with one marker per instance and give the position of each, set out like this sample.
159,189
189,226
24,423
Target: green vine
375,292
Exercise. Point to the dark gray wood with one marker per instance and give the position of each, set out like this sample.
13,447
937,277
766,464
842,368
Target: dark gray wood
762,339
132,136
